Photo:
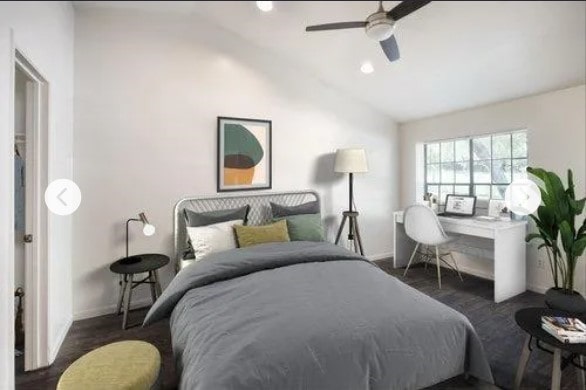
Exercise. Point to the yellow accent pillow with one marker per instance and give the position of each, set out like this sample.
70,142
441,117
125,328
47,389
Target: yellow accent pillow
254,235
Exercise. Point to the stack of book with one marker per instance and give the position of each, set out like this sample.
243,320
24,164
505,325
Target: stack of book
565,329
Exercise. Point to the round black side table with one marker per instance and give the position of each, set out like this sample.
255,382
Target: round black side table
530,321
127,268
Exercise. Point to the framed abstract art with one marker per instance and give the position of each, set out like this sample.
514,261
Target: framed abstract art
244,154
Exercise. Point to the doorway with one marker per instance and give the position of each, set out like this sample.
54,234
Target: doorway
30,216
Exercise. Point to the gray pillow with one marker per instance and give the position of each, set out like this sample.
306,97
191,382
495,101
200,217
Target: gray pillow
305,208
195,219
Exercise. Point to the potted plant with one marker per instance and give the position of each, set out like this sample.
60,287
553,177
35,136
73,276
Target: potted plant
564,243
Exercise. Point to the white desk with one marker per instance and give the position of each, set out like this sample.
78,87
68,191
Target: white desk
509,249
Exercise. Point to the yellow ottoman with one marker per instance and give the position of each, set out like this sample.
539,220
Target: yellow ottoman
128,365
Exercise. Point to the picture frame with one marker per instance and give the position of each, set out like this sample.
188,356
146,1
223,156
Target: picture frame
244,155
496,207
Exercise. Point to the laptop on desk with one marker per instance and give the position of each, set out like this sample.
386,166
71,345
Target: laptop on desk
459,206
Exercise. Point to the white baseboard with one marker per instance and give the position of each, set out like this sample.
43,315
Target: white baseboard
485,275
101,311
381,256
57,346
538,288
476,272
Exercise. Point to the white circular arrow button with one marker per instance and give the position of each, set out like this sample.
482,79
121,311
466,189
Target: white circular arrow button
523,197
62,197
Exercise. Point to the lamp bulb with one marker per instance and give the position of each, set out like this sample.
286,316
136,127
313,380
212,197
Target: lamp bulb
148,229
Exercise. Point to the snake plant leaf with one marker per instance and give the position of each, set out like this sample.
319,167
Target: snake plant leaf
546,216
537,172
546,222
532,236
541,174
570,190
545,198
559,195
241,148
582,229
577,206
579,246
567,235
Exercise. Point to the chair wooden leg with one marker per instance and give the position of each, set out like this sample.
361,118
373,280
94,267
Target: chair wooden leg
439,272
127,298
581,373
556,371
153,282
158,288
411,259
122,284
522,363
456,265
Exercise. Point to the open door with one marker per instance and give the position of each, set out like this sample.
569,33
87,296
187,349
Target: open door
36,354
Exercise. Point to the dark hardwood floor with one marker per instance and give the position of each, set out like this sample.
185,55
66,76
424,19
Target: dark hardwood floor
494,323
89,334
473,297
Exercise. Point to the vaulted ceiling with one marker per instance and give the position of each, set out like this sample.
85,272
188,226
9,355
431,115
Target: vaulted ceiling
454,55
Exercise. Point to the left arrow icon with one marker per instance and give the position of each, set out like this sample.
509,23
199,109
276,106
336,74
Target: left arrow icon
62,197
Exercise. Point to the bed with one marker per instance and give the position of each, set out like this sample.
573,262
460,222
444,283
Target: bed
308,315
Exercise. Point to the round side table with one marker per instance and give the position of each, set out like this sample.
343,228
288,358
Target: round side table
530,321
137,264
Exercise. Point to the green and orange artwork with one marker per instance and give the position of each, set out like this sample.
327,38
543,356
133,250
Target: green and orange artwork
242,153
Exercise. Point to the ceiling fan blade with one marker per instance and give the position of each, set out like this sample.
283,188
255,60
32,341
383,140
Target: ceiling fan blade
390,48
405,8
335,26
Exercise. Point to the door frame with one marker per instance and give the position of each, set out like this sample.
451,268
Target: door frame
36,310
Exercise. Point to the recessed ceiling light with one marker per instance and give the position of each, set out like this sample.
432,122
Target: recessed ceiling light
366,67
264,6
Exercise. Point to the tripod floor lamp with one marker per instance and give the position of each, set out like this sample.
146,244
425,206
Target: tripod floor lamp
351,161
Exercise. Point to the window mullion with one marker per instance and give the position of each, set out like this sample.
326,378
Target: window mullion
471,167
425,191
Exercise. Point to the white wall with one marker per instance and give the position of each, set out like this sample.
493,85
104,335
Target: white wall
556,127
148,89
43,32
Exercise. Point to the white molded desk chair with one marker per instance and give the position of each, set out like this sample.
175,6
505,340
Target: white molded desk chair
423,227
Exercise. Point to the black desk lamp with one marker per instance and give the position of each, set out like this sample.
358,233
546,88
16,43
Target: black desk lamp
147,230
351,161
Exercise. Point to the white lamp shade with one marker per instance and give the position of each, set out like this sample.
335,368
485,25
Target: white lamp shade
351,161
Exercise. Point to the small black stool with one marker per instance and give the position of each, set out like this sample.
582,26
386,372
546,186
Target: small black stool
530,321
128,267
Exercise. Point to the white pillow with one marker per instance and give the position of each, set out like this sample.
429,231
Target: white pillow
213,238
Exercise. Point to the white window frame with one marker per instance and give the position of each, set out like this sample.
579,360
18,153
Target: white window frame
471,160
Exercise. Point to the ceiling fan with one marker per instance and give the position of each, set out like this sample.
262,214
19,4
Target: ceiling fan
380,25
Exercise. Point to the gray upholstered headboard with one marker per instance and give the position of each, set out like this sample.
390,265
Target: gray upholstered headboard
260,210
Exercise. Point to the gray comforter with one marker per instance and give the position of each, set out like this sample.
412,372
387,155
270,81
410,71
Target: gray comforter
310,316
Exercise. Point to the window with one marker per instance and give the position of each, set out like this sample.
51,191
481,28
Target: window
483,166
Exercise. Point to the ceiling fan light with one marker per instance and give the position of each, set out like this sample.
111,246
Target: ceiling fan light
366,67
265,6
380,26
380,31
